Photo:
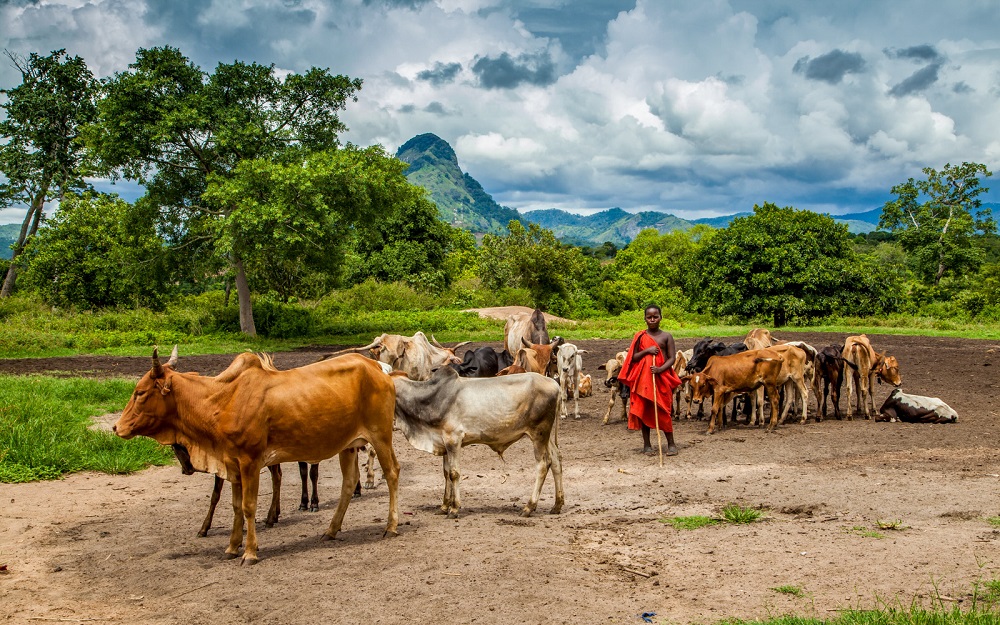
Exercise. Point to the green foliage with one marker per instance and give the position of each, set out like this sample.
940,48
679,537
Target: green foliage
44,433
864,532
737,514
942,232
689,522
994,521
533,259
795,591
652,268
97,251
788,264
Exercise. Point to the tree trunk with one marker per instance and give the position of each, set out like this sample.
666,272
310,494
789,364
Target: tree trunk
779,318
229,290
28,228
243,297
940,270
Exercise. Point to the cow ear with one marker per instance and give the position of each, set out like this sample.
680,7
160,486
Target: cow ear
602,367
685,379
525,341
165,388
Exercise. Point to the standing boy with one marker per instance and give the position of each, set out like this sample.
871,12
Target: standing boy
651,354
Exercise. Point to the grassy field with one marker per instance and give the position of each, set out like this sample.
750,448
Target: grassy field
44,433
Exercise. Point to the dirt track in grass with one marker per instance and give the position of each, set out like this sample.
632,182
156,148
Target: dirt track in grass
122,549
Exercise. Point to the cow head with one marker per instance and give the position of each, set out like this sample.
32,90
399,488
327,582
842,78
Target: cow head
611,368
449,352
586,386
886,368
701,386
151,404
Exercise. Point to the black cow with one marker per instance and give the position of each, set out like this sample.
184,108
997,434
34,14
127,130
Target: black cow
830,369
705,349
483,362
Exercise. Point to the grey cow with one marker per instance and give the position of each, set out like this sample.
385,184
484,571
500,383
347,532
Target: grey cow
446,412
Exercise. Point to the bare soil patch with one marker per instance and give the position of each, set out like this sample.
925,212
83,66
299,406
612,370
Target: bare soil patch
122,549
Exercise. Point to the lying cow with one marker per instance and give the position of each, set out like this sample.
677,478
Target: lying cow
483,362
414,355
446,413
900,406
249,417
586,385
525,326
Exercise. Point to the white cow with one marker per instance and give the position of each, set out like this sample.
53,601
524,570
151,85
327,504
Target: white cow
569,362
447,412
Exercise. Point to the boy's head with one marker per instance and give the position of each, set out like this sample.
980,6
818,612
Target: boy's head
653,316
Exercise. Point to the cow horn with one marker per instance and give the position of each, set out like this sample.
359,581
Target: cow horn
157,367
172,361
462,344
435,343
525,341
355,350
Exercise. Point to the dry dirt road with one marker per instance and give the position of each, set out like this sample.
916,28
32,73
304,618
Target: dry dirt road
122,549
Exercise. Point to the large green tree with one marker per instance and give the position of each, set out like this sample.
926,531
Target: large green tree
939,220
40,155
530,258
98,251
788,264
177,129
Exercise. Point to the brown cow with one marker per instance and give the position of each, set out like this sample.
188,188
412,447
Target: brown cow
724,377
867,364
525,325
248,417
546,356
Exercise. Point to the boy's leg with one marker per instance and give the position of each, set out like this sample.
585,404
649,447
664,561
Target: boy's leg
647,447
671,446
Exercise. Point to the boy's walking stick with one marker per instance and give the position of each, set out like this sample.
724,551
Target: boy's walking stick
656,420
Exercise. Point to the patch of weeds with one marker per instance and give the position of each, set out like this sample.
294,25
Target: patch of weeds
864,532
991,590
994,521
689,522
737,514
787,589
896,525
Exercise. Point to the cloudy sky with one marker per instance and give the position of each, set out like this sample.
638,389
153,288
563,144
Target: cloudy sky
697,107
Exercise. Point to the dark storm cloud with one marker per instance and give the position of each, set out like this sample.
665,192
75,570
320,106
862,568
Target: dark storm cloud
923,52
441,73
435,108
398,4
580,29
180,23
962,87
506,72
830,67
918,81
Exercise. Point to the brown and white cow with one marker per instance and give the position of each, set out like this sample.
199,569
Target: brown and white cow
445,413
249,417
724,377
612,368
586,385
866,365
413,355
524,325
900,406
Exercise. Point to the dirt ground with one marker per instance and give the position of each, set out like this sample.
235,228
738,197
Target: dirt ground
122,549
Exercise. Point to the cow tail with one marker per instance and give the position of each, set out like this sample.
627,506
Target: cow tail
559,409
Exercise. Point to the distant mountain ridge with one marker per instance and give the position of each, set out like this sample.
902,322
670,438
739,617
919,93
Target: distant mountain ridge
463,202
8,235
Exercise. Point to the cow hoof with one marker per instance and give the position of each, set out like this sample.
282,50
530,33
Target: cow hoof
390,533
453,514
231,556
328,536
557,509
370,485
269,524
303,507
202,533
527,511
314,508
249,561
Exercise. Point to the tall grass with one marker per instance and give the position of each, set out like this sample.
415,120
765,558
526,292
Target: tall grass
44,434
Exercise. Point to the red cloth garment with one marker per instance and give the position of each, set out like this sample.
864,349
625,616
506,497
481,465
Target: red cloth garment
639,379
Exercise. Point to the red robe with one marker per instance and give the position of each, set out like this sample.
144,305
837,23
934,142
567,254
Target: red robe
639,379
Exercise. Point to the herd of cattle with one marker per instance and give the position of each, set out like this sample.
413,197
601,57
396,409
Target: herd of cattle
253,415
